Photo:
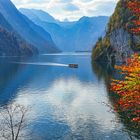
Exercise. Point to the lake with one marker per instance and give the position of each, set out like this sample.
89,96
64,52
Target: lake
65,103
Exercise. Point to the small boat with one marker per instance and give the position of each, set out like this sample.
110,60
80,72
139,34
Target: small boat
73,65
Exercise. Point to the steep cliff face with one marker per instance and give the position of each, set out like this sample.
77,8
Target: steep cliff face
11,42
29,31
118,42
10,45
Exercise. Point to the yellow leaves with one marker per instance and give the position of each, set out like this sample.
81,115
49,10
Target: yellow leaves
129,88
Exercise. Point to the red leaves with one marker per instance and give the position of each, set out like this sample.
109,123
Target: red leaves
135,30
133,3
129,89
134,6
136,119
136,22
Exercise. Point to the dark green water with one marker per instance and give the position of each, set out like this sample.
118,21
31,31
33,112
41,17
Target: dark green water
66,104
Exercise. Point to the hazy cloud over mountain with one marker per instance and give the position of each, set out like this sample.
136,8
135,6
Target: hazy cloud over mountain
70,9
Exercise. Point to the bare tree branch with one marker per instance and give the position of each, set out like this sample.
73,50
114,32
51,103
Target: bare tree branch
13,122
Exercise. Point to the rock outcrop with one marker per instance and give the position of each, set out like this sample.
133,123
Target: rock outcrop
118,43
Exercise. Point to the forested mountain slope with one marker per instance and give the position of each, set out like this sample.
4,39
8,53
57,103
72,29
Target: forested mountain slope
11,43
32,33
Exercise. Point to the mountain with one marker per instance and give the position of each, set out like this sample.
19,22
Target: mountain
31,32
11,43
70,36
38,15
118,43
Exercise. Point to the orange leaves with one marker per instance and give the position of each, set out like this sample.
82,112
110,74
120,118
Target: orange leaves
136,22
133,3
133,66
135,30
134,6
136,119
129,88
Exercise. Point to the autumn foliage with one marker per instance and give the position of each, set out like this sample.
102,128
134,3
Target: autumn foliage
134,6
129,89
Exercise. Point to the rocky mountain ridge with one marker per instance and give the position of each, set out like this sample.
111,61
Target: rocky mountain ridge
70,36
118,43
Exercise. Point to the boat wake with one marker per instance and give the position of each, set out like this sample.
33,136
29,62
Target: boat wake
41,64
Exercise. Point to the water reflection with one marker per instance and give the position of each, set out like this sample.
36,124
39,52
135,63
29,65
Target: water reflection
7,73
66,103
109,73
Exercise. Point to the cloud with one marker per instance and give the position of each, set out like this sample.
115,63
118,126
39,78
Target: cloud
70,9
68,102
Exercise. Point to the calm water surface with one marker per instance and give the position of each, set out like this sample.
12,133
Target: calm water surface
66,104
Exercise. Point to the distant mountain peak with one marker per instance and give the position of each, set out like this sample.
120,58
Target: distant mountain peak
66,20
72,36
37,13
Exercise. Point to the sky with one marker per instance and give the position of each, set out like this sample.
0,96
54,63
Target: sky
70,9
